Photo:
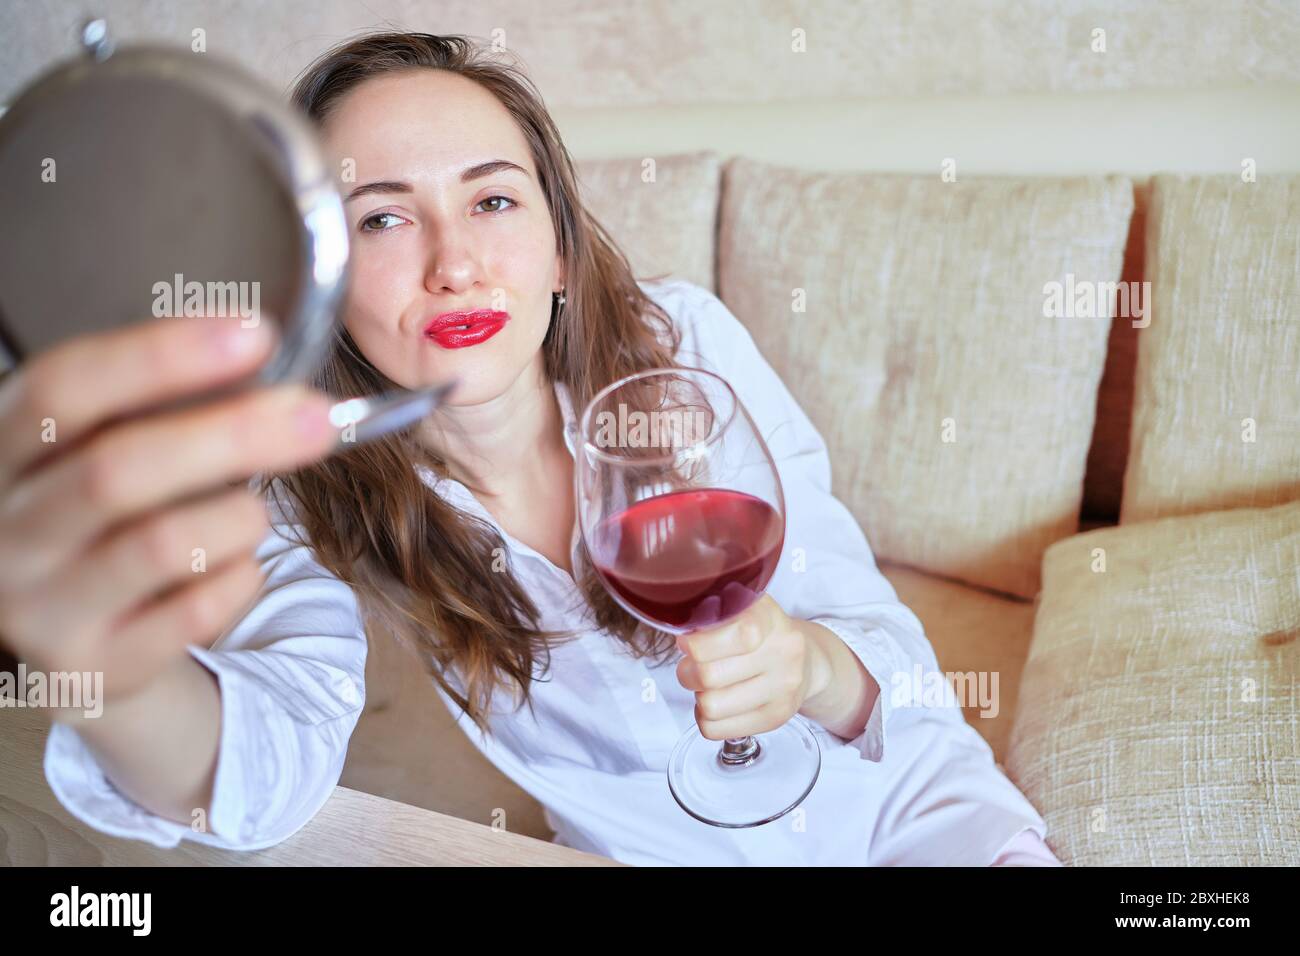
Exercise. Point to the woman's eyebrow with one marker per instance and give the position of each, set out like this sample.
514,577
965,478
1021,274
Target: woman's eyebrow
468,174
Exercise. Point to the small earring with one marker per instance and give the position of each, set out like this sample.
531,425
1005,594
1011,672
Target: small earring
560,299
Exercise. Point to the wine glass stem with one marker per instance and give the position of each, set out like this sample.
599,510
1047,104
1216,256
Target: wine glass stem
738,750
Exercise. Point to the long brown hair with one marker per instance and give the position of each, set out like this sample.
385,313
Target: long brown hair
419,566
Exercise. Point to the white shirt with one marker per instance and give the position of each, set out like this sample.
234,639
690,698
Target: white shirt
918,786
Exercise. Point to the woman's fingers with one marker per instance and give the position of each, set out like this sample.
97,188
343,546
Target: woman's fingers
118,542
139,560
198,612
127,470
56,397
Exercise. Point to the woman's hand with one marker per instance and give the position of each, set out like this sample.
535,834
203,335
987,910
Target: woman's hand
104,510
753,673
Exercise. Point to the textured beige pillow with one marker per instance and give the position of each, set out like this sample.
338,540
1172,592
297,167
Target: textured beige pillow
1221,357
958,417
665,225
1158,709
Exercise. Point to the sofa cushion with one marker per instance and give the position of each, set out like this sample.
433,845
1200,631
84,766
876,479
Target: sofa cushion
1216,405
981,639
663,217
958,416
1158,708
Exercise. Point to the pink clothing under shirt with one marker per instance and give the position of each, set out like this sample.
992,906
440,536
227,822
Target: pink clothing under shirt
1026,848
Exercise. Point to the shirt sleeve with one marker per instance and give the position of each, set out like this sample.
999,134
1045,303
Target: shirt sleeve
827,573
292,679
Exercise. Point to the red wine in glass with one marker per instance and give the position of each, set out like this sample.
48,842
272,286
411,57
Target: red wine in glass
683,517
690,558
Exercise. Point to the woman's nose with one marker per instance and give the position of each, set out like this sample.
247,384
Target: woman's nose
452,264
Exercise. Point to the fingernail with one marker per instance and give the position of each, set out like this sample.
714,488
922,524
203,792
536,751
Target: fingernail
237,341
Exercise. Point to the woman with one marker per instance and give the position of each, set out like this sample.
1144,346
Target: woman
458,535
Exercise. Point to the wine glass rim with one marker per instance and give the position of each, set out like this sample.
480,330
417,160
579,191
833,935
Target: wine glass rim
646,373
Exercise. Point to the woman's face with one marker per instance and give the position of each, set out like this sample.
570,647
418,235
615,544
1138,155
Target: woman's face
431,234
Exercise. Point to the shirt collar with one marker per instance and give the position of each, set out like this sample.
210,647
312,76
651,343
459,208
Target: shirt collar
570,417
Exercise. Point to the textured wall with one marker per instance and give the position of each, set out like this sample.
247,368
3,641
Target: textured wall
585,53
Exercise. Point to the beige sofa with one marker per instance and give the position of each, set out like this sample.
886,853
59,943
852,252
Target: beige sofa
1105,515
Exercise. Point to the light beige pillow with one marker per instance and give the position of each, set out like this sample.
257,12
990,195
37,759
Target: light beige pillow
957,415
663,216
1216,403
1156,724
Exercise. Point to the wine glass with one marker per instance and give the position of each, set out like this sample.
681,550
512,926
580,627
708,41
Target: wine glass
682,514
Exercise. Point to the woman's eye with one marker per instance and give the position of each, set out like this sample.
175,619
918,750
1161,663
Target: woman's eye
502,199
376,223
377,216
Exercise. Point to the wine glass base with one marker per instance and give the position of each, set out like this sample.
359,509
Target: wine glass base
749,794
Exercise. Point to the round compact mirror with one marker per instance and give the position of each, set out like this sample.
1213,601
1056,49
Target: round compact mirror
149,181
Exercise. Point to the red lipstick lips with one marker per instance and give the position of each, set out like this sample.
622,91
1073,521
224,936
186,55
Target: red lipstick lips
458,330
